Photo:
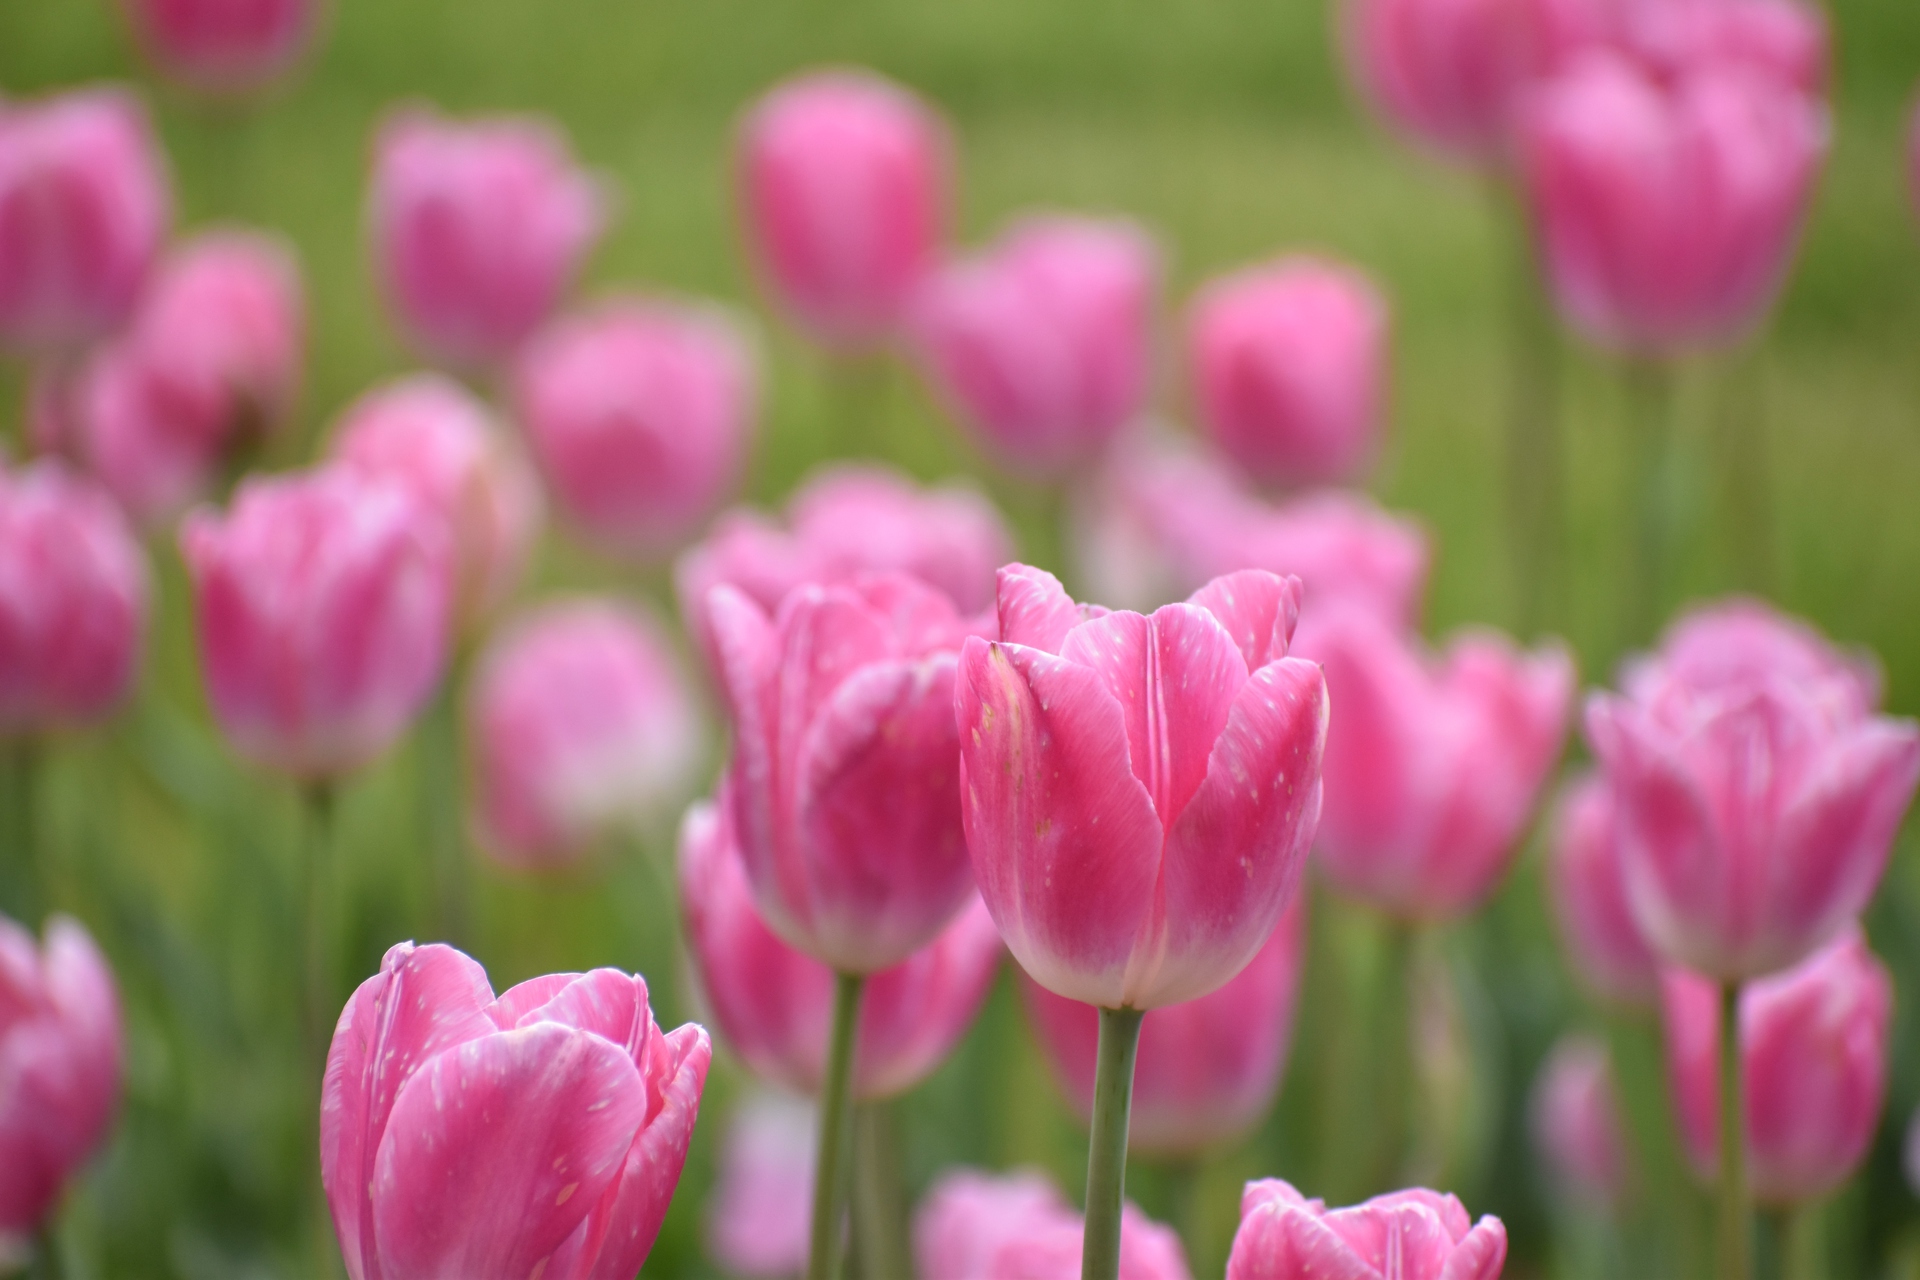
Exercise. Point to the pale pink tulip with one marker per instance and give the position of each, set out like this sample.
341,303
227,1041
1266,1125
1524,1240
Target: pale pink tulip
978,1226
1721,648
1586,877
224,47
1407,1235
1140,790
759,1212
540,1133
1576,1121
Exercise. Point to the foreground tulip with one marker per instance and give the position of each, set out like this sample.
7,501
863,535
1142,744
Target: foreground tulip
224,47
757,1212
843,181
976,1226
540,1133
1576,1121
1586,875
1408,1235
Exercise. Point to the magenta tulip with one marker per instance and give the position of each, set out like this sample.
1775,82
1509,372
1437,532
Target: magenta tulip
976,1226
1576,1121
763,1195
73,601
1042,345
322,600
843,179
1586,877
224,47
1407,1235
540,1133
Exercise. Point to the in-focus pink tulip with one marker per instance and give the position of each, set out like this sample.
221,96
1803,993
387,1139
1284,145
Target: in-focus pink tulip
73,600
1586,878
1813,1062
1434,763
84,206
1042,346
438,440
1669,213
1784,40
582,725
759,1214
224,47
478,228
60,1066
1140,790
1289,365
978,1226
1407,1235
640,413
322,600
773,1005
1576,1121
844,179
1207,1070
540,1133
843,791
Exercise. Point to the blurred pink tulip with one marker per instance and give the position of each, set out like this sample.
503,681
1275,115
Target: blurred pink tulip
978,1226
1289,364
759,1212
1669,214
73,600
772,1005
844,179
1813,1062
640,413
842,790
1784,40
322,600
1576,1121
1434,763
1407,1235
1141,791
1207,1070
478,229
84,206
1721,648
582,725
540,1133
224,47
1042,346
60,1068
438,440
1586,877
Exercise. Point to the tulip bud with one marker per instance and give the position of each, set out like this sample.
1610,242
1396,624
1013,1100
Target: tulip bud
844,181
540,1133
73,600
639,413
1577,1126
322,600
976,1226
759,1213
1285,1236
224,47
1586,876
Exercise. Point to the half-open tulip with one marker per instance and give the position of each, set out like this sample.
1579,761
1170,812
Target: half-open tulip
1406,1235
762,1197
224,47
1576,1122
540,1133
1586,877
978,1226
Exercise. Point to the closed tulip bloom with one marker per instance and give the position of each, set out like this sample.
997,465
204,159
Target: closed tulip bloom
1140,791
73,600
478,229
978,1226
1813,1063
60,1065
582,726
540,1133
1289,369
84,206
1434,763
640,413
1576,1121
1406,1235
757,1214
1042,346
223,47
844,179
322,601
1586,877
772,1005
1785,40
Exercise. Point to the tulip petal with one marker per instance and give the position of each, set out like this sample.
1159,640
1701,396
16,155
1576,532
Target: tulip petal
522,998
607,1002
1258,609
1035,609
1481,1255
1282,1240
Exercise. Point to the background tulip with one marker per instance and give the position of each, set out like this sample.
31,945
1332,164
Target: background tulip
1785,40
1408,1235
224,46
976,1226
1722,649
1576,1121
1586,877
758,1209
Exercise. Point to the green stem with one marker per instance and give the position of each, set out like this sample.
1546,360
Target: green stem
47,1263
315,856
1803,1257
1534,486
1190,1211
879,1216
1747,467
1396,1069
1650,395
22,886
836,1137
1107,1147
1736,1214
442,813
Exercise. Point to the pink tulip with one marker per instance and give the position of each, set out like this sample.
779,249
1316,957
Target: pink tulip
640,413
478,228
1577,1126
842,789
976,1226
73,600
84,206
1140,790
1669,213
759,1212
439,441
581,726
540,1133
322,601
1289,367
844,179
1042,345
1784,40
1433,763
1721,648
1586,876
1407,1235
224,47
1207,1070
1813,1063
60,1068
772,1005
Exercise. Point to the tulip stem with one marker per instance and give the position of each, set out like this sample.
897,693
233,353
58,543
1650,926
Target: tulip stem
440,794
1736,1214
21,872
314,852
878,1214
1800,1243
1650,392
1745,462
1533,462
836,1132
47,1263
1107,1146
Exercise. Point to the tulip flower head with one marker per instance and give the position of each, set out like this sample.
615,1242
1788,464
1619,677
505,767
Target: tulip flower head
224,47
757,1215
1586,877
1407,1235
1577,1125
976,1226
1782,40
